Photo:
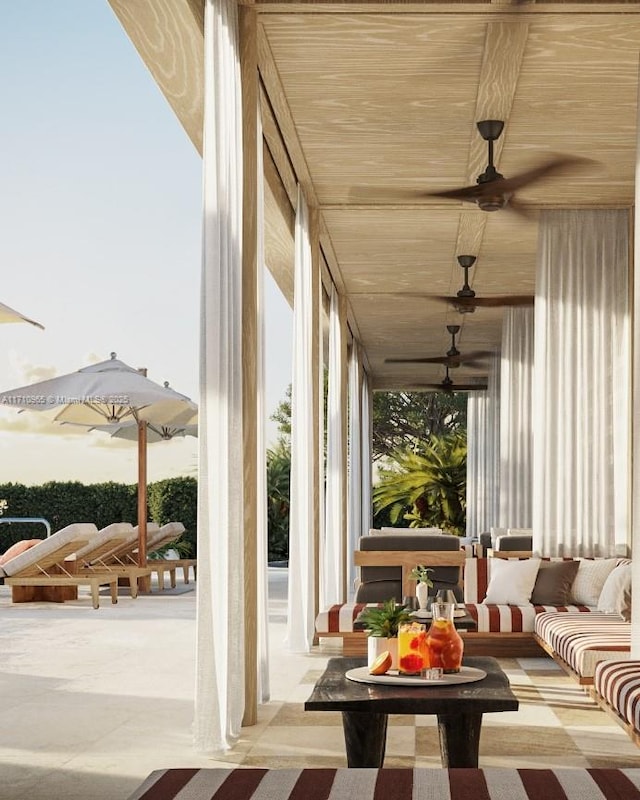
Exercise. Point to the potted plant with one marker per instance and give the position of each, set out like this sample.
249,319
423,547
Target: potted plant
420,575
382,623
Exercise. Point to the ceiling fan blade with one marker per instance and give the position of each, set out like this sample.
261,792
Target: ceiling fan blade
451,361
497,192
554,165
453,387
487,302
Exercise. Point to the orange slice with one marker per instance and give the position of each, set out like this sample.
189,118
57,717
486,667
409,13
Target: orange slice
381,664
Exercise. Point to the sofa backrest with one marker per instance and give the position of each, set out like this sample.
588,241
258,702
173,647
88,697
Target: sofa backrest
410,541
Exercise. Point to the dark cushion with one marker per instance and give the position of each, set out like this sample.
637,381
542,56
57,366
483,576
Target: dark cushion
410,541
553,583
517,541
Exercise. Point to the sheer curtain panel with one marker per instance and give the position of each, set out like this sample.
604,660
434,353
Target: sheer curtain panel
219,692
482,462
354,514
332,572
582,384
367,416
516,432
300,621
261,448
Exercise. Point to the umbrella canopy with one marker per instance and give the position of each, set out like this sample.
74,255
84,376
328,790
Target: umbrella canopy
110,393
155,433
9,315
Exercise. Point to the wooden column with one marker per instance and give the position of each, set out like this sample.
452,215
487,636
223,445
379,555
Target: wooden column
142,493
249,72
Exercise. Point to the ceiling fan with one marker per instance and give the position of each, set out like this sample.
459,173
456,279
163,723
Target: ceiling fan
447,385
492,191
451,360
466,302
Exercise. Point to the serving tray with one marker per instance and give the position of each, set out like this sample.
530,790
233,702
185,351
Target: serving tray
391,678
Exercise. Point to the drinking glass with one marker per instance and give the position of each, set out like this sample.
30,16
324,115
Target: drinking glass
413,654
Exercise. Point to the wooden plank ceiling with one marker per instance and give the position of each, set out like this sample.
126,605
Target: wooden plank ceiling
368,104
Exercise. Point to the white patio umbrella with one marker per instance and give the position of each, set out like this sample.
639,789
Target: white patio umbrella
109,393
155,433
9,315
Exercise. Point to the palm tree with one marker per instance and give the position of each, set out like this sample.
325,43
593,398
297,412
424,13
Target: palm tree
427,484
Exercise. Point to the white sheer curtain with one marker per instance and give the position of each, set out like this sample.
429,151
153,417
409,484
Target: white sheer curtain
261,441
582,384
355,472
483,460
332,566
635,491
367,416
516,431
219,691
300,622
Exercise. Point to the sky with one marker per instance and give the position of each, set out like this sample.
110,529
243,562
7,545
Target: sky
100,233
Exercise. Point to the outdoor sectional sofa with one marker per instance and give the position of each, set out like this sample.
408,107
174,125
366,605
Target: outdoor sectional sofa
616,688
508,629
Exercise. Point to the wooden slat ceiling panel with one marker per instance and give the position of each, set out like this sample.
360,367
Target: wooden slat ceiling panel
387,102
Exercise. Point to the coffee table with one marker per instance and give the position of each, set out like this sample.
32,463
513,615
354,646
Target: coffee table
365,709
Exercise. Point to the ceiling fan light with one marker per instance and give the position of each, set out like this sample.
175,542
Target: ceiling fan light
492,202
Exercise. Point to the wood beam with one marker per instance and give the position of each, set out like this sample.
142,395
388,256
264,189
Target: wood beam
168,35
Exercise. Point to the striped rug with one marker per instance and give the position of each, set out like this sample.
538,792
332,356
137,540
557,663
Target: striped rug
391,784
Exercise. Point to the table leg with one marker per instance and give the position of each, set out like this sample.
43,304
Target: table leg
459,739
365,738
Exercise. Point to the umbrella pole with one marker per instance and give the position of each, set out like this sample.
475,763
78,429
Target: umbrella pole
142,493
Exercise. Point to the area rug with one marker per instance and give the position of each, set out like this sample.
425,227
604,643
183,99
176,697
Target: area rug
557,725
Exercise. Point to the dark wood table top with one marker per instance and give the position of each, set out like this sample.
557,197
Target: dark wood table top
335,692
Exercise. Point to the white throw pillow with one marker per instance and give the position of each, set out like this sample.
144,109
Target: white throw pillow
590,578
615,597
511,582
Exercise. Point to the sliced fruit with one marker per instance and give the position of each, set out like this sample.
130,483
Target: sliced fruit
382,664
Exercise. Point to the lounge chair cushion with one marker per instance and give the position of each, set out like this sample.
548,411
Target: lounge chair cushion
80,531
117,529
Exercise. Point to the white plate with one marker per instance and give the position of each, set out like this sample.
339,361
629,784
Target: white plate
458,612
391,678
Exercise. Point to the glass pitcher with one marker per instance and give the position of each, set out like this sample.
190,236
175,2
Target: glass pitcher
444,642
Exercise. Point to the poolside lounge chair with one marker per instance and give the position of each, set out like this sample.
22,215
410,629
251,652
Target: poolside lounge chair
41,572
121,560
166,535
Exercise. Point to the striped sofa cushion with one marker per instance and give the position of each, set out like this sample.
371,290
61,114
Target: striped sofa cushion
340,617
491,618
583,640
618,682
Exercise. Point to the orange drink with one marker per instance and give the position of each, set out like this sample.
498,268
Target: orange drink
444,642
413,654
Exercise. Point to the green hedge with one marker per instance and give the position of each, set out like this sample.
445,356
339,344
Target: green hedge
63,503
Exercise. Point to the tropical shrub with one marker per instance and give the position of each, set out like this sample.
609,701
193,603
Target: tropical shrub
278,488
426,485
